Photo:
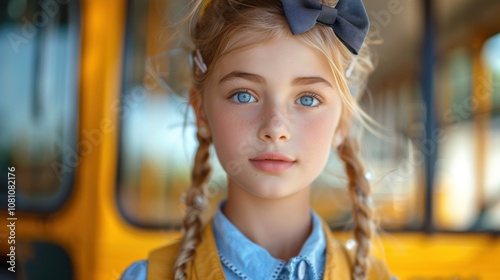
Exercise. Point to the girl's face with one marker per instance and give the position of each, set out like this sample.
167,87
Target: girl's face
272,111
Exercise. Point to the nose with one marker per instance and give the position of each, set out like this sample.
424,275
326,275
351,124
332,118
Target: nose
274,126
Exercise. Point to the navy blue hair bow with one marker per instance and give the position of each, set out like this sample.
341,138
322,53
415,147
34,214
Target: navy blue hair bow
348,19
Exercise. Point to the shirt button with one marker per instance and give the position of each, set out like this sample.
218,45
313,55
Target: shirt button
302,270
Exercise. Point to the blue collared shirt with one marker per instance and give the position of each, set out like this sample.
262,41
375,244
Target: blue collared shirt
243,259
136,271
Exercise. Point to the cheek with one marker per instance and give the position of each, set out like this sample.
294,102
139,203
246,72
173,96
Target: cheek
228,136
318,136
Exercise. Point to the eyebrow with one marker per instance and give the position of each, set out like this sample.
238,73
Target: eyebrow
300,81
243,75
303,81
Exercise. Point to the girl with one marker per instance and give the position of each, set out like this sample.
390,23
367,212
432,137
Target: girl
273,92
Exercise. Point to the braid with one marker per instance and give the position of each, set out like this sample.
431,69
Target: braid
359,190
196,202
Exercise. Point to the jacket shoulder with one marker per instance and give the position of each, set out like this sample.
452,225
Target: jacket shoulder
340,260
204,265
161,261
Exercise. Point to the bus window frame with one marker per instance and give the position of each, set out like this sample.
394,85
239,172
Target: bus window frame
54,203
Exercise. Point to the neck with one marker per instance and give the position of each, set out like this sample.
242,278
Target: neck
281,225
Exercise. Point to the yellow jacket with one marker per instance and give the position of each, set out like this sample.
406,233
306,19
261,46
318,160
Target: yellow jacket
206,264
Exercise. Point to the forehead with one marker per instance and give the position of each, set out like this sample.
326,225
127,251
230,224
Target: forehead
284,59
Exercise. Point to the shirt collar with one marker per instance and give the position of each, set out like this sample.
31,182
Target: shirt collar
241,252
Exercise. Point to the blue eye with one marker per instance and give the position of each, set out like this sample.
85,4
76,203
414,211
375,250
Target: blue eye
309,101
243,97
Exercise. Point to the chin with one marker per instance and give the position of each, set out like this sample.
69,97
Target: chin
272,191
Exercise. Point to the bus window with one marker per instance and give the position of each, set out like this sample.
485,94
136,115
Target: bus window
490,210
467,190
156,145
454,188
39,54
393,159
39,260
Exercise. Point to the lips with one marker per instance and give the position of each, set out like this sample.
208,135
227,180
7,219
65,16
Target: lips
272,162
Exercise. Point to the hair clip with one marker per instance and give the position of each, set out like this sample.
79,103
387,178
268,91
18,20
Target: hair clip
194,197
198,60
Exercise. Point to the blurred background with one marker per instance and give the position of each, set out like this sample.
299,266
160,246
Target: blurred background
102,146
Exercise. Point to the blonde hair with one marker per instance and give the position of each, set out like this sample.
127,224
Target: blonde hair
264,19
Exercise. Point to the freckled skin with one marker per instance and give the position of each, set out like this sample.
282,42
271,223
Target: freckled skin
276,121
